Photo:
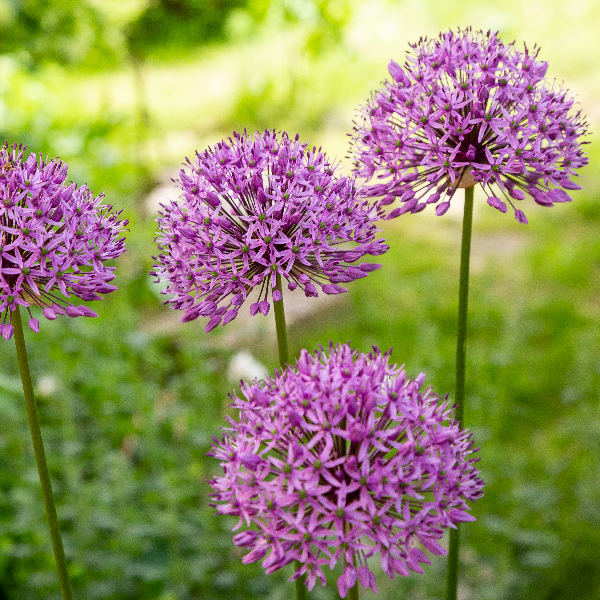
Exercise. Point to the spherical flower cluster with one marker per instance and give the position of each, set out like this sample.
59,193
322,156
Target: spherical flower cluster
54,237
343,458
253,208
465,110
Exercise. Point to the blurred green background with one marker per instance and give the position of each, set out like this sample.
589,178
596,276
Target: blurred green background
125,89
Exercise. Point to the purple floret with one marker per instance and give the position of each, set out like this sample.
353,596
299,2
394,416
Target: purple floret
54,237
468,110
343,458
253,208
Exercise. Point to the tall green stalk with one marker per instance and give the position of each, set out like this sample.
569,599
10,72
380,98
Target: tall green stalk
40,457
282,345
461,359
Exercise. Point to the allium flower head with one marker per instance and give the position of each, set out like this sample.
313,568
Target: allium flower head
343,458
467,109
253,208
54,237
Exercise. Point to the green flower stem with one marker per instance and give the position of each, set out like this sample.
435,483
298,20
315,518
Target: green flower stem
461,358
282,342
301,591
40,457
463,299
282,345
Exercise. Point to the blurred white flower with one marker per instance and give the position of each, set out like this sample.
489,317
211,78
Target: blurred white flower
244,366
47,385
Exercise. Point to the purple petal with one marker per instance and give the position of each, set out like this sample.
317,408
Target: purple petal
295,419
277,295
310,290
221,222
245,538
207,308
250,461
416,556
352,256
520,216
255,555
330,288
442,209
356,272
34,325
212,199
403,209
212,323
58,309
341,278
432,545
188,233
542,198
230,316
458,515
190,315
497,203
377,248
49,313
106,288
368,267
346,580
396,71
86,312
570,185
559,195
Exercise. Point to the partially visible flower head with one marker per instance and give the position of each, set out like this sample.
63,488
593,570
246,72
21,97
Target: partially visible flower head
54,237
343,458
253,208
466,110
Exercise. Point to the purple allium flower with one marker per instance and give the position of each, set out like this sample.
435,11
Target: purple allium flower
253,208
54,238
343,458
465,110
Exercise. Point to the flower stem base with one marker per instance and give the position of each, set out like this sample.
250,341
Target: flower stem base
461,359
40,457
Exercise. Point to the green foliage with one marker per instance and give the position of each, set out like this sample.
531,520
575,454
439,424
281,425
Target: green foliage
129,401
127,418
67,32
171,27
